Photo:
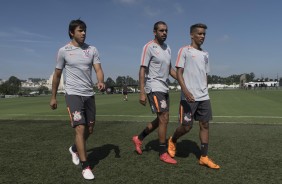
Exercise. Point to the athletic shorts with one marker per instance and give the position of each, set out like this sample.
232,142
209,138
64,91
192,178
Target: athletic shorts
81,109
124,92
199,111
159,101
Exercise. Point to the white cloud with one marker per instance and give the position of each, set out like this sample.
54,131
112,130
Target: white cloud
151,12
22,32
178,8
5,34
126,1
224,38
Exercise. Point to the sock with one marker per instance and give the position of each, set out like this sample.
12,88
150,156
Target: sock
142,135
204,149
162,148
174,139
84,164
73,148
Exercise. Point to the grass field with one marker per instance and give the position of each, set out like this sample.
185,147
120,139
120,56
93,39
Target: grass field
245,140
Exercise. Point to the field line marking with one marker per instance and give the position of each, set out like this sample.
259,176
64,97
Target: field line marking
144,116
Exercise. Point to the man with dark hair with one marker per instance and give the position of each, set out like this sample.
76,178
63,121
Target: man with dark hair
192,67
153,74
78,58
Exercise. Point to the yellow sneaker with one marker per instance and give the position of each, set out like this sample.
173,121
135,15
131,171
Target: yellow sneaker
206,161
171,147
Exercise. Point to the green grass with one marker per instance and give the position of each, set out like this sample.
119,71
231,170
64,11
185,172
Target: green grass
37,152
245,141
260,106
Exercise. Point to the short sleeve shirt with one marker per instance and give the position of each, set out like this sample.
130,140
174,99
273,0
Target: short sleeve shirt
196,66
78,63
157,60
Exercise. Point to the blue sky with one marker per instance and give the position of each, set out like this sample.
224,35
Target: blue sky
243,36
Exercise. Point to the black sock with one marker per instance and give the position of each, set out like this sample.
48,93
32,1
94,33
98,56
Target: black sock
73,148
142,135
162,148
204,149
174,139
84,164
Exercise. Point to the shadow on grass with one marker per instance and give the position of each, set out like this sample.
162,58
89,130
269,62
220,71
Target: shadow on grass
184,148
100,153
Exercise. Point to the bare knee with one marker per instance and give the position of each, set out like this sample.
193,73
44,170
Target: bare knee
204,125
163,117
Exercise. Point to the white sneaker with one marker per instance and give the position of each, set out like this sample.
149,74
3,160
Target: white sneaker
87,174
75,158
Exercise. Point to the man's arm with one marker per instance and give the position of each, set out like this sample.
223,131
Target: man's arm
100,76
142,98
172,72
189,97
55,84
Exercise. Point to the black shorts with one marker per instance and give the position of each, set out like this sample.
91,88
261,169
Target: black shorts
81,109
159,101
199,110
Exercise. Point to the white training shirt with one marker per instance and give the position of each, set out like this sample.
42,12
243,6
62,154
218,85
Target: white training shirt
196,66
157,60
78,63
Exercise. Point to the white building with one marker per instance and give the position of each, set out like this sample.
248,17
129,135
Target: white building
262,84
61,87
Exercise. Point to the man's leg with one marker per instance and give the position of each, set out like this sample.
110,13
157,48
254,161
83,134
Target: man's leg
137,140
204,138
163,121
186,124
80,142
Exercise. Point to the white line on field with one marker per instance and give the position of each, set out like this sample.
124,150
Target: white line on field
143,116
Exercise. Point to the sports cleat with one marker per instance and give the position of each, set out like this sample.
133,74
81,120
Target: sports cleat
167,159
87,173
171,148
75,158
206,161
138,144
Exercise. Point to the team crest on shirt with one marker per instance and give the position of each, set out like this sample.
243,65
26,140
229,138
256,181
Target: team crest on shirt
76,116
86,53
163,104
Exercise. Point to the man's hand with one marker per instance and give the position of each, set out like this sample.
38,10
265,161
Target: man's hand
101,86
189,97
53,104
142,99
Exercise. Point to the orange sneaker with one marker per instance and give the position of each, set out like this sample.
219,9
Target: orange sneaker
167,159
171,148
206,161
138,144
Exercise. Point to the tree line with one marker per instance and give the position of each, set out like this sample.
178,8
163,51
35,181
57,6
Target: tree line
13,85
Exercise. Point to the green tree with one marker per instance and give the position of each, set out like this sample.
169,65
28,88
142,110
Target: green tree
110,82
43,90
11,86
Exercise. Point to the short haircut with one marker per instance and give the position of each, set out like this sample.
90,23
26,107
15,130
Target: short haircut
74,24
199,25
156,25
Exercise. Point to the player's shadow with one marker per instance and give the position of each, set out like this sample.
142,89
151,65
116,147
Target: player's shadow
184,148
100,153
187,147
